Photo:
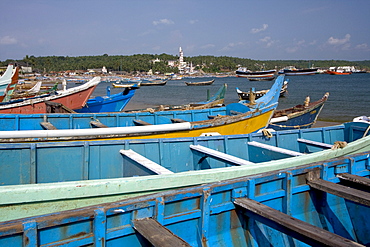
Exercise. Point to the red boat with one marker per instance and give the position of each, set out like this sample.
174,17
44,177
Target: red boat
331,72
73,98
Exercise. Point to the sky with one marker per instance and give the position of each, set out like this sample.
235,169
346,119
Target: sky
260,30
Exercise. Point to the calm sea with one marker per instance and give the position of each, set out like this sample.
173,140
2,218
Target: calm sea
349,94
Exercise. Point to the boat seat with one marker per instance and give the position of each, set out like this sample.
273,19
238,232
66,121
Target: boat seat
48,126
305,232
275,149
221,156
157,234
177,120
97,124
141,160
315,143
139,122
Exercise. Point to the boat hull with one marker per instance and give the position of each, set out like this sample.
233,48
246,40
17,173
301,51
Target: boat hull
218,214
111,176
300,72
256,74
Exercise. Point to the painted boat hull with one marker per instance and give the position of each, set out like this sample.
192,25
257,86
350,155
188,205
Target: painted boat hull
203,83
219,214
258,94
300,72
256,74
73,98
337,73
60,168
6,79
111,103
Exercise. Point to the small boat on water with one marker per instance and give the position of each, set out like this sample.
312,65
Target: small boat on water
258,94
200,83
298,117
319,204
126,85
294,71
339,71
73,98
39,178
261,78
153,82
245,72
109,103
235,118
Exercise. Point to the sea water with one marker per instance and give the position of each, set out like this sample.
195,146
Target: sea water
349,94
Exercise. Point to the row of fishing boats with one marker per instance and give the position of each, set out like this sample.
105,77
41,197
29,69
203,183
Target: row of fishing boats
203,174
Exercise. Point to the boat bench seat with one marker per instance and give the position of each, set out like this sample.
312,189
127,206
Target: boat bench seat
48,126
221,156
315,143
275,149
141,160
139,122
178,120
97,124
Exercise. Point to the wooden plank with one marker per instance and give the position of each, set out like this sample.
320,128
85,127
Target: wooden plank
177,120
354,179
141,160
98,124
293,227
139,122
275,149
221,156
345,192
48,126
315,143
157,234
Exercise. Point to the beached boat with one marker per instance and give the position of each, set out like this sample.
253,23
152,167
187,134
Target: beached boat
200,83
319,204
244,72
235,118
6,78
298,117
73,98
109,103
153,82
295,71
39,178
258,94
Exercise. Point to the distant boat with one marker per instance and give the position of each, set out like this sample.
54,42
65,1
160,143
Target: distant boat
109,103
337,73
344,70
200,83
153,82
244,72
294,71
127,85
319,204
299,116
73,98
258,94
261,78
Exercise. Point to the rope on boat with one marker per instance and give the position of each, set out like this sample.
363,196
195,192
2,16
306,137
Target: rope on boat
267,133
339,144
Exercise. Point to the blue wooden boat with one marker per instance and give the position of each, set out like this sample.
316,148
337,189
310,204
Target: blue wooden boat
320,204
109,103
298,117
39,178
232,119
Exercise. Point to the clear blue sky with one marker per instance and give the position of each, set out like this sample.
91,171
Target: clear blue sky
264,29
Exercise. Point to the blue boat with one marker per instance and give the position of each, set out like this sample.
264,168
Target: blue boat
319,204
109,103
298,117
39,178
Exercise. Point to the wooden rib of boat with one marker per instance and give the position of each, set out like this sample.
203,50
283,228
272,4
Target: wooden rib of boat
258,94
234,118
200,83
73,98
299,116
41,177
319,204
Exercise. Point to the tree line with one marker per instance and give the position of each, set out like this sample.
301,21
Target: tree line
144,62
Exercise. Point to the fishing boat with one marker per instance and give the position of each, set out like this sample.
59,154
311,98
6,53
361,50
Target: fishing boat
200,83
294,71
245,72
299,116
38,178
6,78
109,103
234,118
319,204
126,85
261,78
258,94
339,70
159,82
73,98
